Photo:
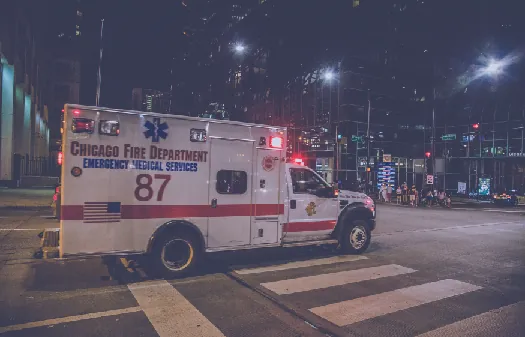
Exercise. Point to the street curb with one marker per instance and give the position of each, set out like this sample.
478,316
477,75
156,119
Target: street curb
319,326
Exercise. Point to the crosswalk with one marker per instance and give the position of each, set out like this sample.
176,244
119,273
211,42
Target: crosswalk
356,292
495,210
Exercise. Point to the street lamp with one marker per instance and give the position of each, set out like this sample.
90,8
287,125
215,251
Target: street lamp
328,75
493,68
239,48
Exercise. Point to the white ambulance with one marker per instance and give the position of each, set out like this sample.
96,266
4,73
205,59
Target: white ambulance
175,187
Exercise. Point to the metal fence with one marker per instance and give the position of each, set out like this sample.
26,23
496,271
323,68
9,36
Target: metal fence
25,165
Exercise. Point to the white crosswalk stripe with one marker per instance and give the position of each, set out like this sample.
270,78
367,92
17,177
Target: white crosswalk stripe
353,311
284,281
302,264
334,279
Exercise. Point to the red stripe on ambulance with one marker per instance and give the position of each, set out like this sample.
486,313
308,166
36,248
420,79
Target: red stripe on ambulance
310,226
75,212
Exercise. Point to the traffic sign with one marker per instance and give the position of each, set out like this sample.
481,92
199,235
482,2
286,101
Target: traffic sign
449,136
357,138
430,179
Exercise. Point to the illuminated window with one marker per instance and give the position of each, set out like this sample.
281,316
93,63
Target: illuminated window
78,33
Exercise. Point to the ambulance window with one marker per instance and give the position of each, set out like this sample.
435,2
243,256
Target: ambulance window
231,182
305,181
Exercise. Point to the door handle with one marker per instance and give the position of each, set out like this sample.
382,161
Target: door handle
214,203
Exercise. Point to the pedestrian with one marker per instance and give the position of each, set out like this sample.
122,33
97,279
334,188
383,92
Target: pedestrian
405,193
429,198
398,195
383,192
389,193
413,196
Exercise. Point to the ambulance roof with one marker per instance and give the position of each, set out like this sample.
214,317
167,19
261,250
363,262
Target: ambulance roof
132,112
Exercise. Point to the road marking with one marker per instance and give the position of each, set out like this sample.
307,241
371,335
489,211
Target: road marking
68,319
503,210
493,323
360,309
322,281
170,313
301,264
20,229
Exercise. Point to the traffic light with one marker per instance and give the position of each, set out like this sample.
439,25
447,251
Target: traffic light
339,136
475,126
427,154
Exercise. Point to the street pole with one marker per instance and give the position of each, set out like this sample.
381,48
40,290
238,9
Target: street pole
336,152
368,143
432,145
99,74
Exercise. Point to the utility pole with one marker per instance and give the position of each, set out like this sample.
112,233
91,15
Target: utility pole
99,75
368,142
433,140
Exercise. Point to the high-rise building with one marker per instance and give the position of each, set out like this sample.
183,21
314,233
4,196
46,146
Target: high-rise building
24,95
150,100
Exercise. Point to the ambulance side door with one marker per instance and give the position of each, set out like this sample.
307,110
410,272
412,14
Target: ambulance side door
313,210
230,187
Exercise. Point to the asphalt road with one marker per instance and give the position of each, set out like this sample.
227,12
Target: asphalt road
430,272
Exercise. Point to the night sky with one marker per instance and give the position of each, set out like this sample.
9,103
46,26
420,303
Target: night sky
139,39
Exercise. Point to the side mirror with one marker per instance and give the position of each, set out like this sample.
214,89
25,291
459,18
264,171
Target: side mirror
325,192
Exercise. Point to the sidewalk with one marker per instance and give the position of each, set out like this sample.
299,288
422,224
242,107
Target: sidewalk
25,198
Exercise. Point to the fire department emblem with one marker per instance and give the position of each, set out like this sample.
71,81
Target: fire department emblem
268,163
155,130
310,209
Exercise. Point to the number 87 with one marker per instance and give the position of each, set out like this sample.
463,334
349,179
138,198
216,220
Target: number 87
141,185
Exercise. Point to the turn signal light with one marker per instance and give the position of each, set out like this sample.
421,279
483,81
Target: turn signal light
60,158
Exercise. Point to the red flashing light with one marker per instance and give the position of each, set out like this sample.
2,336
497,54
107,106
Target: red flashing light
298,161
475,126
76,112
427,154
62,110
60,158
276,142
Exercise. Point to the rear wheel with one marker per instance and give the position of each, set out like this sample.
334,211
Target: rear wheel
175,255
356,237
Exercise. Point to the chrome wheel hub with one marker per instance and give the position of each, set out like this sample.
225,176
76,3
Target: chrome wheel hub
358,237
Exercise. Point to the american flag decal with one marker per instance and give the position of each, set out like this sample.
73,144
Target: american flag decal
99,212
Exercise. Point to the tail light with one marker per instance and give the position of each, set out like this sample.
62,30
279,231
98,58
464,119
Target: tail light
82,125
336,192
276,142
57,189
60,158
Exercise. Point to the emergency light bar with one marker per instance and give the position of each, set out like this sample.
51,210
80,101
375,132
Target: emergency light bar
276,142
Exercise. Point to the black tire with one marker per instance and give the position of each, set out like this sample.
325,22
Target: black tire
356,237
175,255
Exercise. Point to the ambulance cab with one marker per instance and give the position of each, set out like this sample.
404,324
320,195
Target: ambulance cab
176,187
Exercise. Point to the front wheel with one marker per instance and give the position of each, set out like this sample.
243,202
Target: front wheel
356,237
175,255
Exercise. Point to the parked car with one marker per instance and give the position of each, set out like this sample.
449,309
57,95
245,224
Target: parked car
509,198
